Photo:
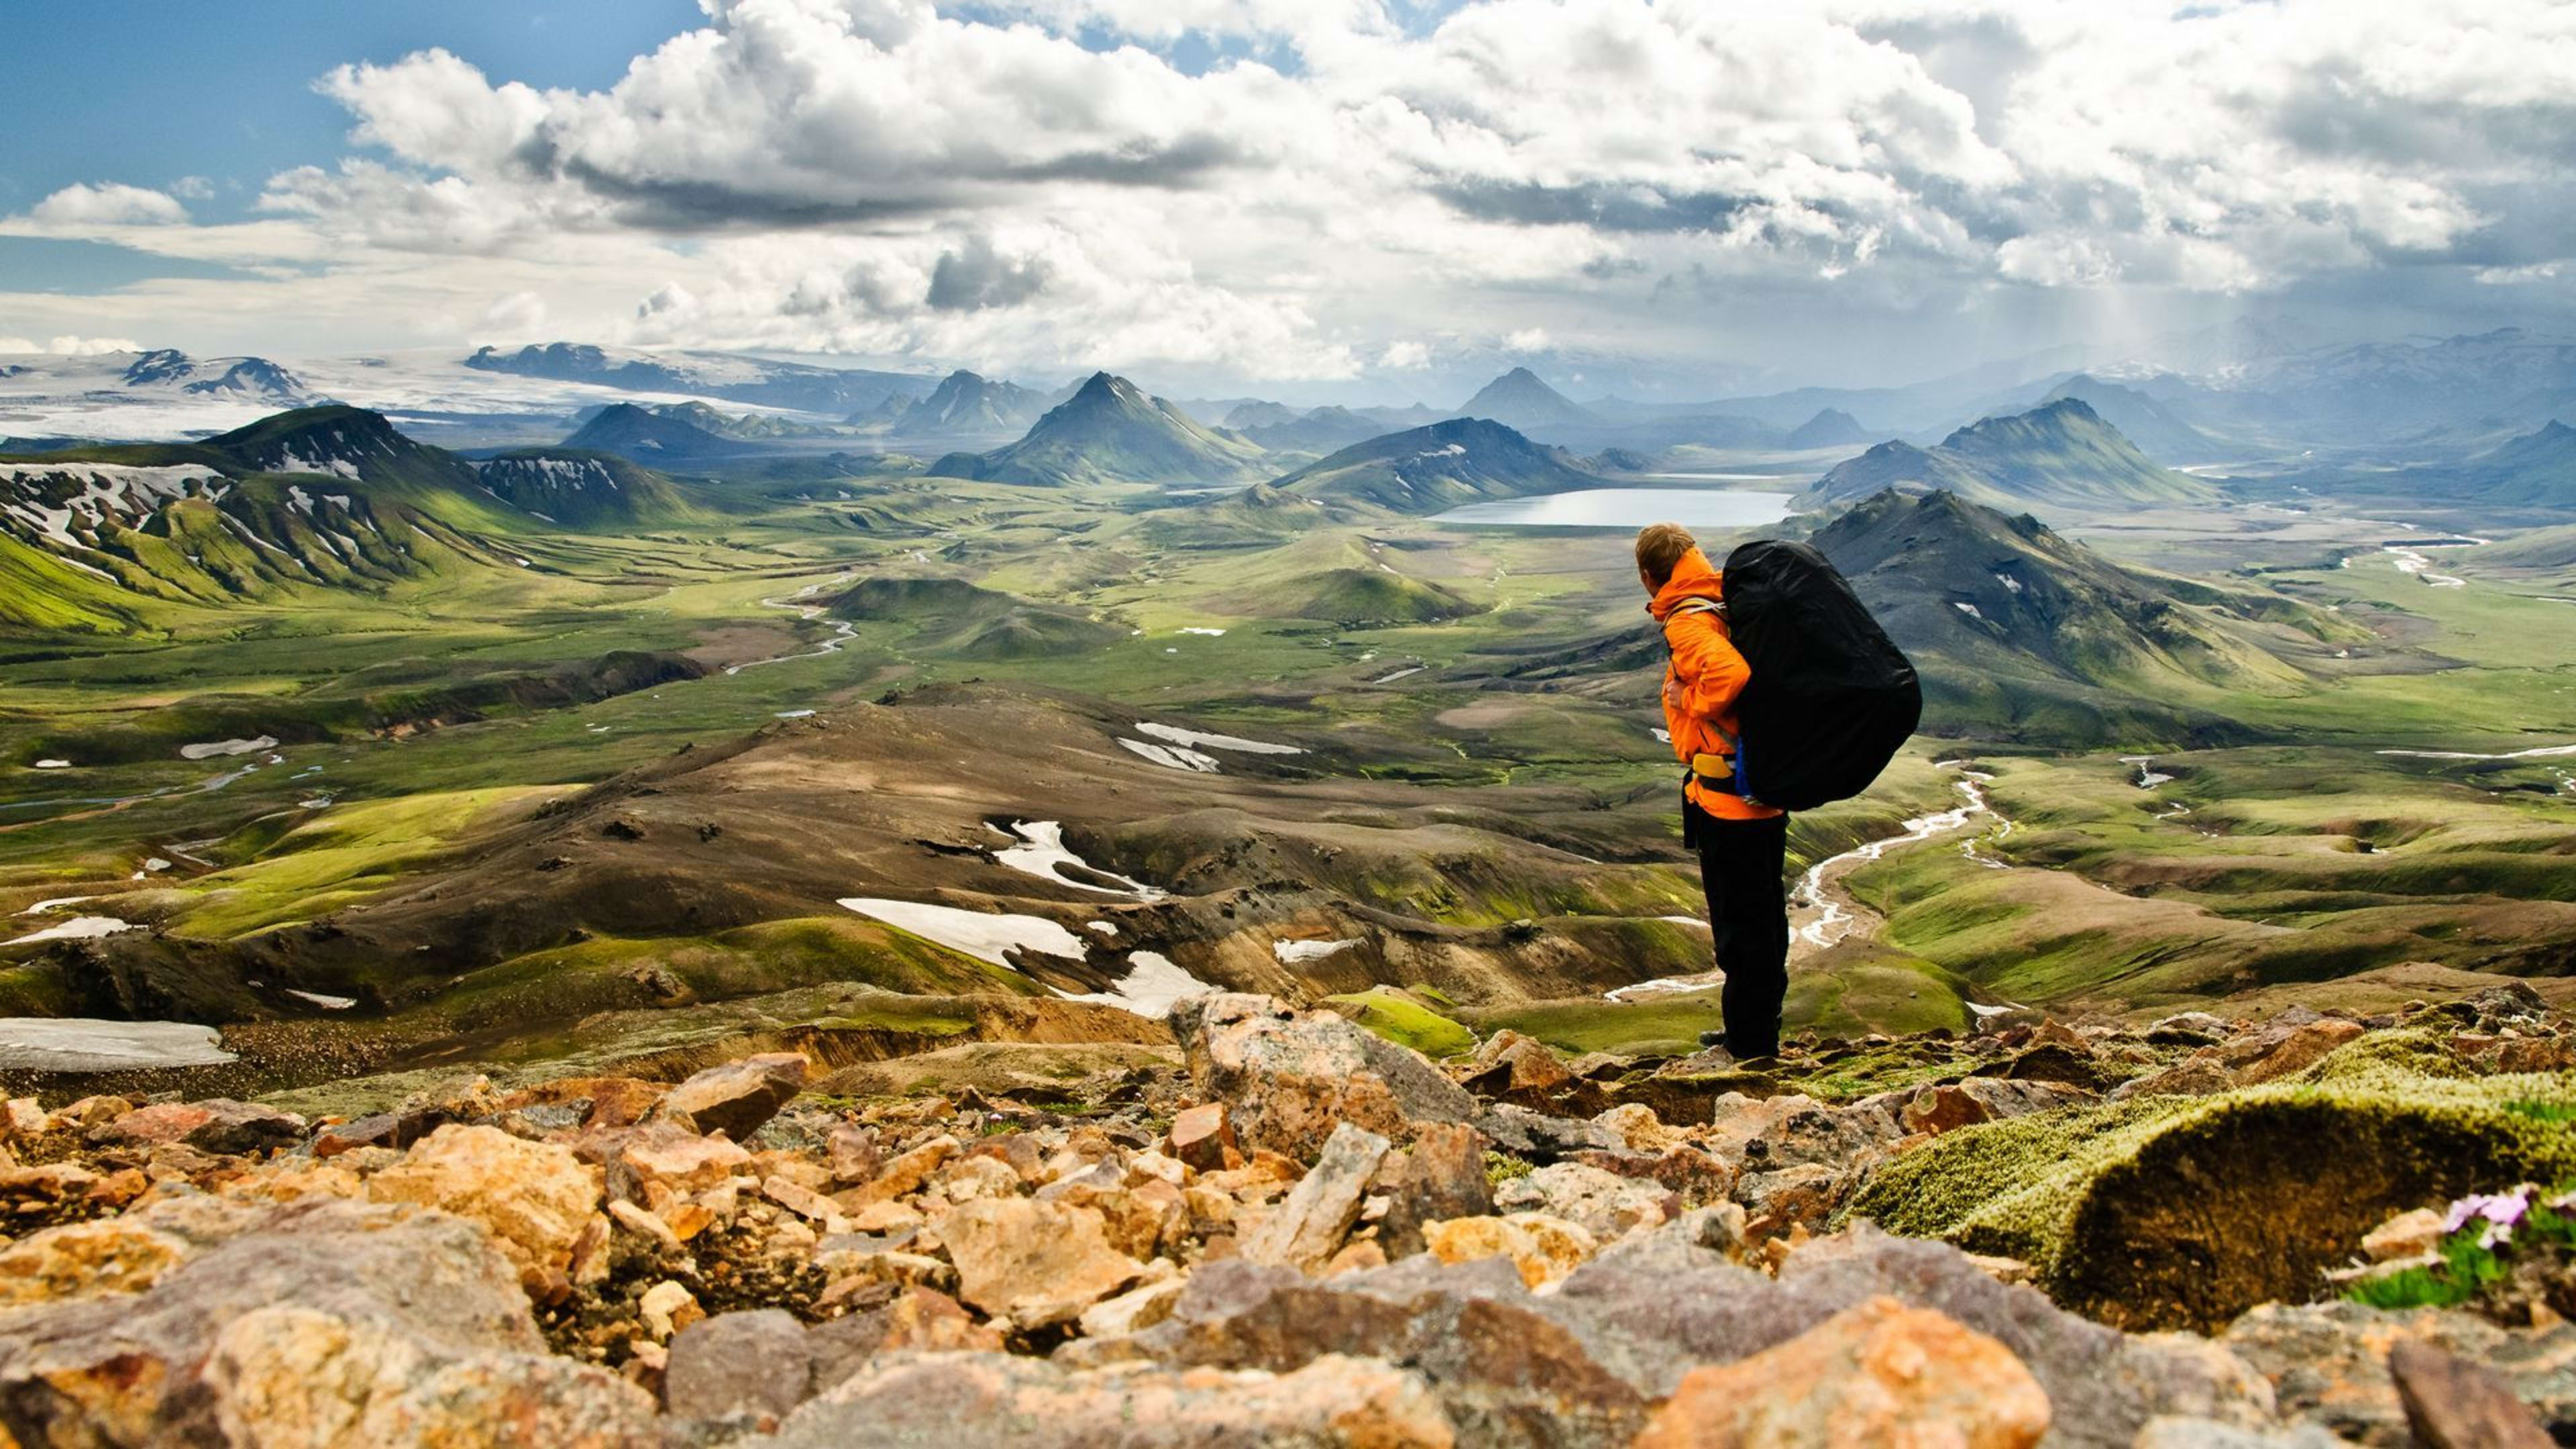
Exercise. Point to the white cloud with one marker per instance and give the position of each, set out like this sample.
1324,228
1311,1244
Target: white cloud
67,346
1632,177
518,316
108,204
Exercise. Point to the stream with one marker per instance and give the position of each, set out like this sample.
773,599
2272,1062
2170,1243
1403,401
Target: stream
844,631
1821,913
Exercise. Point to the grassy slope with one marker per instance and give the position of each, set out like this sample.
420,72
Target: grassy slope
2277,899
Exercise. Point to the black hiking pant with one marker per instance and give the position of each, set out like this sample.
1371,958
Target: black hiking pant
1740,864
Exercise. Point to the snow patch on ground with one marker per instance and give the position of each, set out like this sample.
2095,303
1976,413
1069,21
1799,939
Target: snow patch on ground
79,928
53,764
1103,927
983,935
1208,633
1290,953
1399,674
1042,853
83,1044
1968,609
1152,985
2544,752
214,748
327,1003
1235,744
1171,757
57,903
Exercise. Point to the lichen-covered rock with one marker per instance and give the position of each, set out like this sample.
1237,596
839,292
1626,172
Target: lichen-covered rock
536,1198
110,1255
1440,1175
1607,1206
1038,1262
919,1320
1506,1371
1541,1248
2179,1212
2454,1404
1288,1078
1510,1067
994,1401
739,1096
218,1124
757,1362
1308,1226
394,1320
1948,1107
1876,1376
291,1377
2328,1363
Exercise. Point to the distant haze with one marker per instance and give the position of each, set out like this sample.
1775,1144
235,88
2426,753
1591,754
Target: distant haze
1317,200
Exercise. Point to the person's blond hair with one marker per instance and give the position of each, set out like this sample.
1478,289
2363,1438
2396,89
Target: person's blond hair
1660,547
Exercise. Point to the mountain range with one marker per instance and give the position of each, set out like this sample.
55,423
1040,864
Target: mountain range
967,403
1110,431
2061,456
1428,470
323,497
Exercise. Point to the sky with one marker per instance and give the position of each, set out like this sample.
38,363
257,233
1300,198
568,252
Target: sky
1320,198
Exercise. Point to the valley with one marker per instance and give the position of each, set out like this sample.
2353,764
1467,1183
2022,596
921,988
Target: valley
906,826
1464,775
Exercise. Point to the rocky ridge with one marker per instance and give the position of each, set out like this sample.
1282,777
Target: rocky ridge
1289,1230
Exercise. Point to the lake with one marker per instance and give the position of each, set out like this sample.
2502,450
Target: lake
1714,508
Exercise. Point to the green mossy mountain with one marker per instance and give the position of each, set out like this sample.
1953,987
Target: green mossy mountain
2005,607
562,485
2537,469
1110,431
1374,596
2062,455
2156,429
643,435
1430,470
972,622
335,498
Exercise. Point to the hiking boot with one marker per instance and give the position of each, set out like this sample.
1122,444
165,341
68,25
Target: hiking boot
1712,1038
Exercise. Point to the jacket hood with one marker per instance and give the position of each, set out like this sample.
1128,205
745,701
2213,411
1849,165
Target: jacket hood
1694,577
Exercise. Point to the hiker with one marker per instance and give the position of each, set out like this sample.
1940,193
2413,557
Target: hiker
1741,843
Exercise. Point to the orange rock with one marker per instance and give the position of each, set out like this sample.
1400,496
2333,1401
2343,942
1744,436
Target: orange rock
1876,1376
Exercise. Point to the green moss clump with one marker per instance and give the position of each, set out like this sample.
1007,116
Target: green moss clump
1406,1022
2184,1212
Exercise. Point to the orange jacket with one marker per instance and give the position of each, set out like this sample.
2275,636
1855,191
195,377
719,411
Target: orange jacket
1703,679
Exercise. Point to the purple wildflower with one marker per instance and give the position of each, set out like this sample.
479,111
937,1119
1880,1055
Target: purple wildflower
2496,1214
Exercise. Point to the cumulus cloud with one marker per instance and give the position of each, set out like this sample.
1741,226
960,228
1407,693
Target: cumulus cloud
108,204
1032,182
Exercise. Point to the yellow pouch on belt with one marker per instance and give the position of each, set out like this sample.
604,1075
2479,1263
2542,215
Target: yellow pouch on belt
1713,767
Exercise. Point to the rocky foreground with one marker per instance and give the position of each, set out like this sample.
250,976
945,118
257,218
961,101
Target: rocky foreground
1290,1230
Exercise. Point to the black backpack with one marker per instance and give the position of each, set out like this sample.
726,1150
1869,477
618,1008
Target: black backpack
1831,699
